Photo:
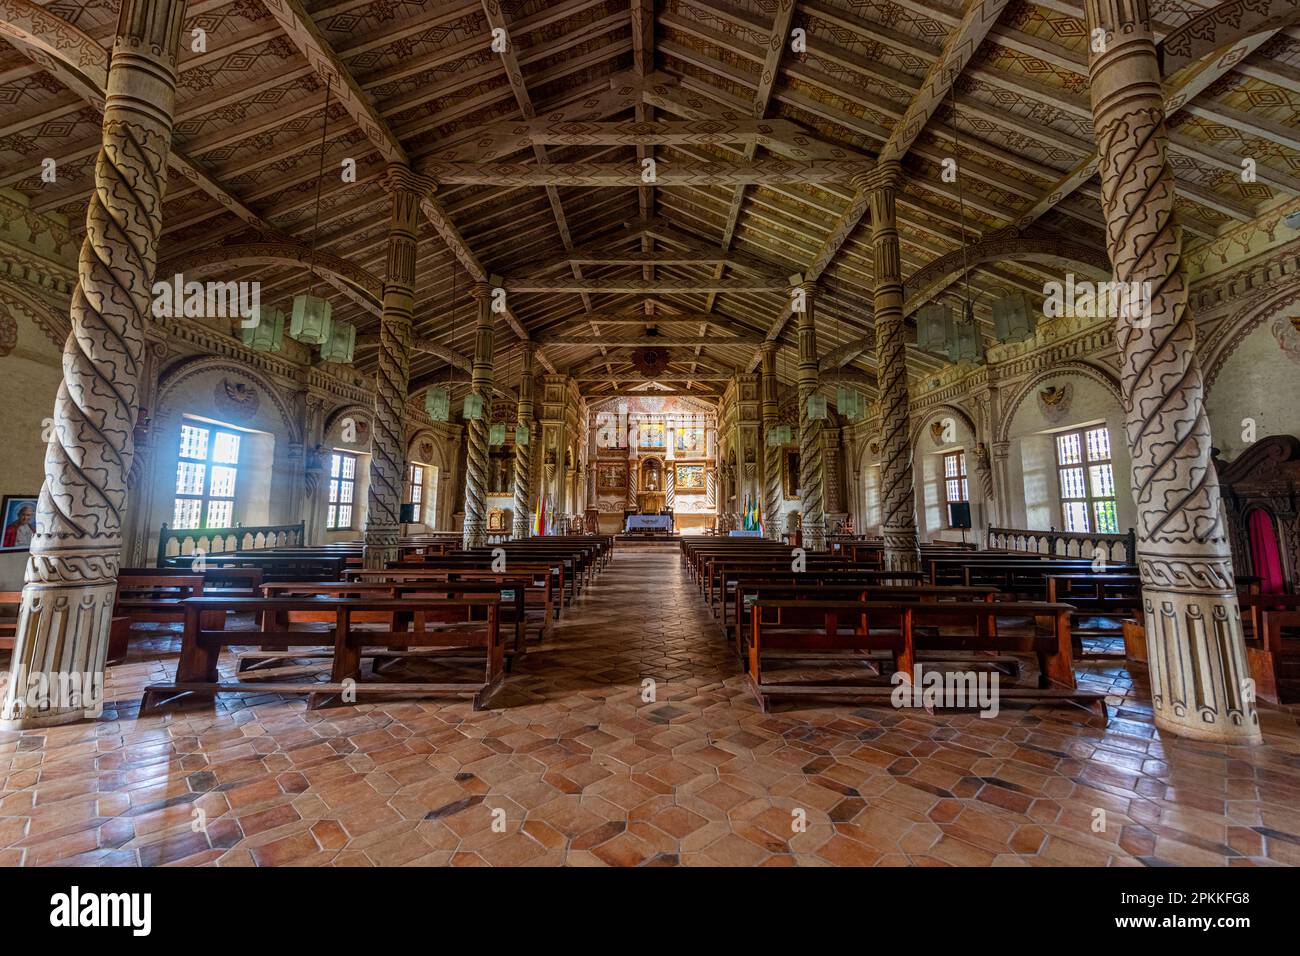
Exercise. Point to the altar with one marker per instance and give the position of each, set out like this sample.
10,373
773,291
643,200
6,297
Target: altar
650,523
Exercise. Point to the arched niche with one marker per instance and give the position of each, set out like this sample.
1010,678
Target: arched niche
1083,395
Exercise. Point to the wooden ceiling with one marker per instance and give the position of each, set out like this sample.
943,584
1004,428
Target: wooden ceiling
702,255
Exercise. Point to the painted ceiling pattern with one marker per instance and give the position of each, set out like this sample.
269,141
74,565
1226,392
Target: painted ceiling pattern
250,116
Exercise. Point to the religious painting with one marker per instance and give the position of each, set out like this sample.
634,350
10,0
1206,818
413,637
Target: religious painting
501,472
18,519
652,435
689,441
790,473
690,480
611,475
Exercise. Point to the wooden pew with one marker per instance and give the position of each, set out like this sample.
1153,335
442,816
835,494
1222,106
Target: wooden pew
732,578
1274,659
453,567
903,629
749,591
538,586
512,606
434,623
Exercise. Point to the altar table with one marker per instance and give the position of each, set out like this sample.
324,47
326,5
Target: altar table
662,523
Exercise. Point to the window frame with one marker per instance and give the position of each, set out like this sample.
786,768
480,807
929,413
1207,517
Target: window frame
206,498
961,476
338,501
1085,464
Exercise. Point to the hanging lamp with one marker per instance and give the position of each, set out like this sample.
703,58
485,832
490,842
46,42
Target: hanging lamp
266,334
311,319
966,345
522,430
437,398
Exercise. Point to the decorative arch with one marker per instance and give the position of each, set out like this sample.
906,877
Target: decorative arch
70,53
1226,23
1007,246
184,370
1259,310
277,253
955,411
1087,370
362,411
43,315
427,434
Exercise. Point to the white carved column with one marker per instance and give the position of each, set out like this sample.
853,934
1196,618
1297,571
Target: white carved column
71,577
771,453
897,492
1197,656
523,453
388,446
810,430
476,429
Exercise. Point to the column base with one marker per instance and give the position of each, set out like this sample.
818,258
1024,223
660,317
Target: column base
380,548
475,532
1197,662
56,675
902,552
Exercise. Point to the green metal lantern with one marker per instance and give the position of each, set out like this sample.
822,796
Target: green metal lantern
849,403
521,435
817,407
437,402
1014,318
311,321
266,334
497,434
970,346
934,328
779,435
340,344
472,410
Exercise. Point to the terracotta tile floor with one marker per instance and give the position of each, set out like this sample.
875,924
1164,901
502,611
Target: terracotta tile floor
575,768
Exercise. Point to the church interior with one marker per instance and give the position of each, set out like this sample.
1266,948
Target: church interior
632,433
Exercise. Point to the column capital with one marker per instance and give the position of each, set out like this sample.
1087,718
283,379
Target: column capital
398,177
480,291
809,288
1123,16
886,175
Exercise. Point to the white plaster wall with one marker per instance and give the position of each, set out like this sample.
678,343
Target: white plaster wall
927,469
1260,382
31,374
1031,465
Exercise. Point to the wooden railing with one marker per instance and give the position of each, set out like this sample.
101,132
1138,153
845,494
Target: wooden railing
1115,548
178,541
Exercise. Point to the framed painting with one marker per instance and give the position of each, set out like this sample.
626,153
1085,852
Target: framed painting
18,514
690,479
790,474
652,436
689,441
611,475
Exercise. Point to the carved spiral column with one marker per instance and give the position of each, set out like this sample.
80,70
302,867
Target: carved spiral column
897,495
810,429
71,576
388,446
523,460
1193,623
476,430
772,492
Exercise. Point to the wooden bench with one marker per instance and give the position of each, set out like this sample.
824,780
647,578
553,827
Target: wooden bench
902,629
749,591
732,578
510,592
540,607
434,623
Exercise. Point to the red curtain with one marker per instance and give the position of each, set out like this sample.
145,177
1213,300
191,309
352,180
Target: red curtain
1264,553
